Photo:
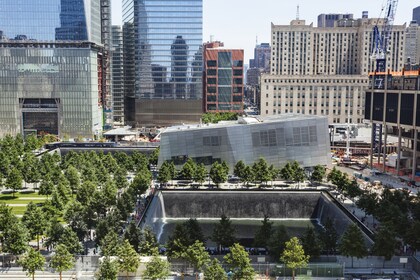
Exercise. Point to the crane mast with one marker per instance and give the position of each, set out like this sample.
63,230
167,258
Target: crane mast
381,39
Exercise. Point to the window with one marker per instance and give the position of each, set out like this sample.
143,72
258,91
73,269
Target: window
211,63
211,72
225,76
211,81
238,63
238,81
211,98
211,89
224,59
237,72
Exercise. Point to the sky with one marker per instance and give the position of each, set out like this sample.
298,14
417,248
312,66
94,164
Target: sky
238,23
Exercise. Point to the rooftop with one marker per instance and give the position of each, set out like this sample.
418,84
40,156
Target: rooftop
249,120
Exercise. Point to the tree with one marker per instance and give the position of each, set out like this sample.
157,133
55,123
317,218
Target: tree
298,172
46,187
248,175
184,235
14,180
120,177
200,173
276,243
34,220
154,156
215,271
108,270
238,261
287,172
15,239
264,233
62,260
318,173
149,245
30,169
32,261
261,171
294,256
156,269
31,143
218,173
110,244
329,237
197,255
141,182
164,175
73,177
310,242
224,233
352,243
239,170
133,236
188,170
385,243
128,259
273,173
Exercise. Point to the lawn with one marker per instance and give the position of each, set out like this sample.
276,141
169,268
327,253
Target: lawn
21,198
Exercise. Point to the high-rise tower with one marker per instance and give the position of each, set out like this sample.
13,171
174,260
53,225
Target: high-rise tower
162,61
53,57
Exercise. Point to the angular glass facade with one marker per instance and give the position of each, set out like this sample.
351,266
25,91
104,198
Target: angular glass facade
50,91
165,38
277,139
51,20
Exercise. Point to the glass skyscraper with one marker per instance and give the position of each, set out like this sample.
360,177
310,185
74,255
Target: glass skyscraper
163,61
53,76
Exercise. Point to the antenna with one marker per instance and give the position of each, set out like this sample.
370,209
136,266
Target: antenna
297,12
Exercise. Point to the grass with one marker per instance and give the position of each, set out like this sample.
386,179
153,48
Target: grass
21,198
18,210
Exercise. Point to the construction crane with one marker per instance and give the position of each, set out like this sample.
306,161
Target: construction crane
379,54
381,39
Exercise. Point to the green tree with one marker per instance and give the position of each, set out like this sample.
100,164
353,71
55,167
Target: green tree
154,156
294,256
352,243
264,233
412,235
248,175
32,261
261,171
200,174
30,169
108,270
298,173
14,180
184,235
368,202
110,244
273,172
385,243
141,182
120,177
149,245
311,243
156,269
31,143
239,169
197,256
188,170
133,236
239,262
62,260
276,243
46,187
218,173
34,220
215,271
73,177
287,172
329,237
224,232
129,259
164,175
318,173
15,239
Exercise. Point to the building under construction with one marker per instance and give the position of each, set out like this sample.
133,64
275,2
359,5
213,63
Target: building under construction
393,107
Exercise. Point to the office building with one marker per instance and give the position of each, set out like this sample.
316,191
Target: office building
262,53
328,20
323,71
117,71
223,84
162,61
416,14
277,139
393,101
412,44
54,75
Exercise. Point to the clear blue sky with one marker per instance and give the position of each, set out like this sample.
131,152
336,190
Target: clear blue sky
237,23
